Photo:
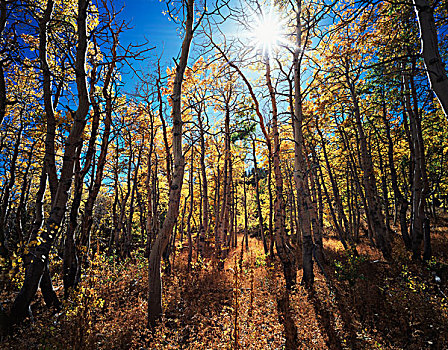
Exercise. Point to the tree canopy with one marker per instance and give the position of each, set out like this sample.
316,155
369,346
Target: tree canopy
284,174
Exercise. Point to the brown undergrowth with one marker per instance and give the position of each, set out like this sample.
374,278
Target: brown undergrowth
361,302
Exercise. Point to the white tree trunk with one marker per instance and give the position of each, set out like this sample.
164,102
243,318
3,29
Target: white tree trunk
430,52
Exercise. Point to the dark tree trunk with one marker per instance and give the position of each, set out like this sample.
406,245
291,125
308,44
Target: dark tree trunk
40,253
374,212
162,239
257,197
5,199
204,228
300,167
401,201
285,252
435,67
420,188
190,213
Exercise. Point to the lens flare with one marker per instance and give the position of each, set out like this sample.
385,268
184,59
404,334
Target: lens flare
267,32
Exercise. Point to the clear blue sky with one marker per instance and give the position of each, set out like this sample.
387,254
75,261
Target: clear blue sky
148,21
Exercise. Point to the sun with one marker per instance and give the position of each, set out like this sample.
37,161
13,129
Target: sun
267,32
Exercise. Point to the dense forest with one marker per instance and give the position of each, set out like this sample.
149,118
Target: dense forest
280,184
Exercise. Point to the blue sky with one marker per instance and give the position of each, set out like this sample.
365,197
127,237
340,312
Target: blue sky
148,22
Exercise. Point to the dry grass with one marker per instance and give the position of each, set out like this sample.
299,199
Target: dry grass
365,303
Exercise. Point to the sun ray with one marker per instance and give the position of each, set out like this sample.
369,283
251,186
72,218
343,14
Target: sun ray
267,31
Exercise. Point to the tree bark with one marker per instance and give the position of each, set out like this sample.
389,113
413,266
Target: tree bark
300,168
87,219
40,253
162,239
3,97
257,197
399,198
377,219
5,199
204,229
20,220
49,159
435,67
316,225
128,237
420,188
149,190
246,230
168,160
284,250
190,213
224,223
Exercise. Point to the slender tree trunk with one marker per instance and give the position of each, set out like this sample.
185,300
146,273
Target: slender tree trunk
217,215
204,229
257,197
148,183
70,259
40,253
384,189
420,188
289,201
6,194
401,201
49,159
317,228
223,228
128,238
114,235
381,234
168,160
190,213
162,239
300,168
87,219
271,204
155,224
246,229
200,205
121,235
233,213
182,222
295,227
20,221
284,250
435,67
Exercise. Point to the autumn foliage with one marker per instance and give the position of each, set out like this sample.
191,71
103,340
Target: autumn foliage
285,190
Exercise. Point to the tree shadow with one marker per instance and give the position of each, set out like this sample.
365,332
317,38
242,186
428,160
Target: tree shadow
391,307
200,299
326,319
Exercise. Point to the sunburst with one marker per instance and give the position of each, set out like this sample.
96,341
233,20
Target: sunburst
267,32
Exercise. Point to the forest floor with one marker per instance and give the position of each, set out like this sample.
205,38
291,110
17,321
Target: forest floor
363,302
